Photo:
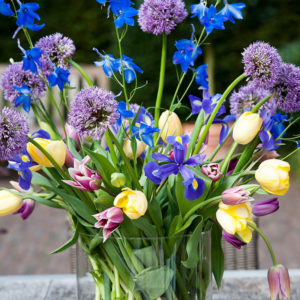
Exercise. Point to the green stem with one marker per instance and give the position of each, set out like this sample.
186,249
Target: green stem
111,149
117,283
161,80
81,71
293,152
227,158
287,127
260,103
253,226
28,37
215,111
99,287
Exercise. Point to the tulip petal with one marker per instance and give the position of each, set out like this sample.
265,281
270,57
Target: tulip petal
226,221
273,279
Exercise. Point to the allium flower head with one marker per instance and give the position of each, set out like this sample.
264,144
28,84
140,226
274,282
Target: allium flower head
13,133
93,111
287,90
55,47
247,97
15,76
262,63
159,16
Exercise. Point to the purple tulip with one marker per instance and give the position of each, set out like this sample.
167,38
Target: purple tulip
85,179
236,195
231,166
69,161
279,282
265,207
212,171
110,219
233,240
26,209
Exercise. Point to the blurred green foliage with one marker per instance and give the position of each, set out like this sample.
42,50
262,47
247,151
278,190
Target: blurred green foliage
274,21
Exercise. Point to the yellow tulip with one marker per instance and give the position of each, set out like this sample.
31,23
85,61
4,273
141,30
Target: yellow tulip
9,203
56,149
133,203
273,176
169,125
246,127
234,218
128,149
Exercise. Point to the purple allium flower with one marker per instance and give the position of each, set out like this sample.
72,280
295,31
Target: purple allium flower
262,63
57,48
247,97
233,240
159,16
93,111
15,76
13,133
287,89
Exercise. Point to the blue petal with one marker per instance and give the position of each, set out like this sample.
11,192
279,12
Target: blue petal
194,188
161,157
5,9
151,171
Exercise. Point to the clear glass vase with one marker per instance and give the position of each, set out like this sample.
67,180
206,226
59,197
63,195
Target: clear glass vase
145,269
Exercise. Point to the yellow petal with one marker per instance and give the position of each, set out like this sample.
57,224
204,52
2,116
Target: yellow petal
169,125
9,203
57,150
245,235
226,221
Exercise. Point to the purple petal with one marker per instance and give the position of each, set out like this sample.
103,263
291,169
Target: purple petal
195,160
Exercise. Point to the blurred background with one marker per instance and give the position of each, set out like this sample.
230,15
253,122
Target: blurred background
24,248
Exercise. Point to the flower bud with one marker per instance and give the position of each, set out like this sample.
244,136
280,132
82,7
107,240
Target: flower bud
71,133
169,125
233,240
26,209
9,203
118,179
128,149
273,176
279,282
56,149
133,203
236,195
212,171
69,161
265,207
247,127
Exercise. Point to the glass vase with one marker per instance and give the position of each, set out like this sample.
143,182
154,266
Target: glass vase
145,269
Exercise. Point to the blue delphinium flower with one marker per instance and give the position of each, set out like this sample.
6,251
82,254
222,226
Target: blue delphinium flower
211,20
123,12
123,112
144,133
186,55
24,98
231,11
101,1
31,60
5,9
107,63
59,77
198,10
27,16
201,76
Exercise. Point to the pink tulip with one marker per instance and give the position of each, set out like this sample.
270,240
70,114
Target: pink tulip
69,161
85,179
236,195
72,133
110,219
279,282
212,171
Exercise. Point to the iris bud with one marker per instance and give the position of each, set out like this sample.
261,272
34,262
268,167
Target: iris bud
247,127
273,176
117,179
9,203
169,125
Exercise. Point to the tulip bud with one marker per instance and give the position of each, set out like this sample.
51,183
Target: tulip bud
9,203
265,207
71,133
212,171
247,127
128,149
56,149
233,240
279,282
273,176
26,209
110,219
169,125
133,203
236,195
69,161
118,179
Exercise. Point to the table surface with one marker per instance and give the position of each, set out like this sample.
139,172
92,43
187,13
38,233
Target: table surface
237,285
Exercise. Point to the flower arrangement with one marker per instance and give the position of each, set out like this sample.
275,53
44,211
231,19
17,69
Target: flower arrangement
133,184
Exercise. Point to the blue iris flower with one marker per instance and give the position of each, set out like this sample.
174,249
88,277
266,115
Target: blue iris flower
198,10
123,12
130,68
201,76
24,98
5,9
59,77
123,112
186,55
231,11
225,126
144,133
22,164
211,20
156,172
107,63
27,16
42,134
31,60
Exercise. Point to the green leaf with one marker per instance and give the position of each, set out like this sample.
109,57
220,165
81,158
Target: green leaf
96,241
72,241
103,200
147,256
144,225
217,255
192,247
154,281
180,227
225,184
